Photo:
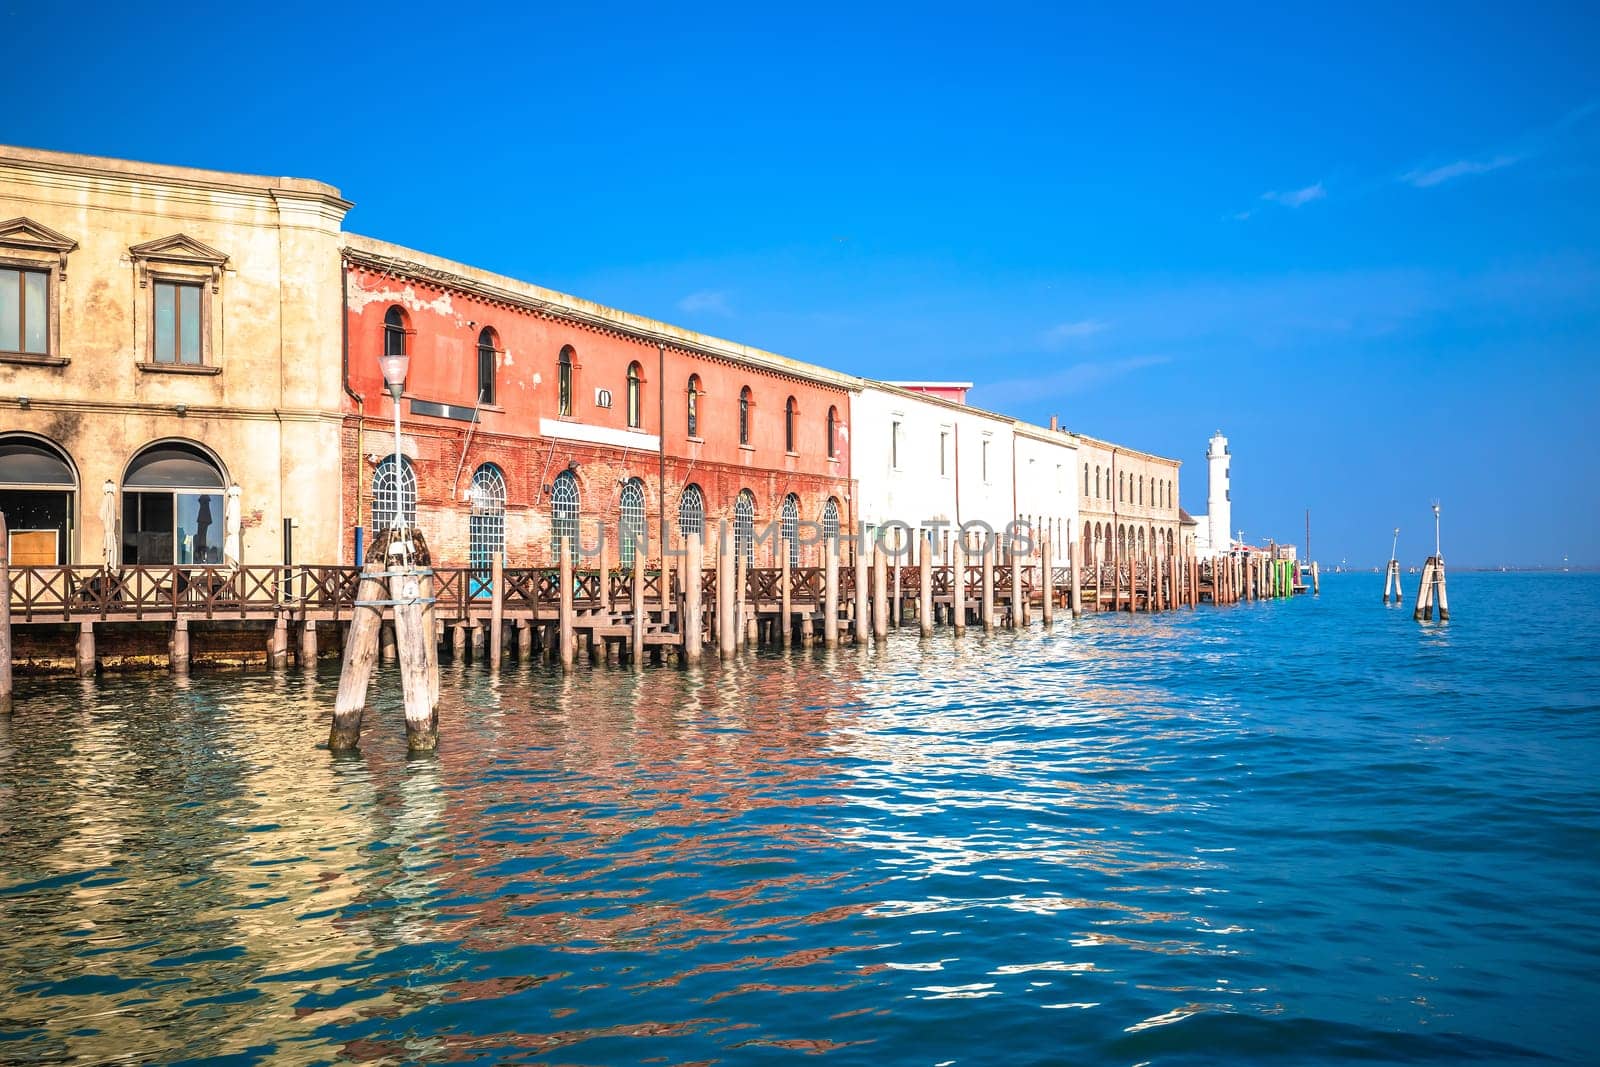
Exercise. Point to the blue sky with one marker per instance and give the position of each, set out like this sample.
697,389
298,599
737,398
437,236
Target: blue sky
1362,244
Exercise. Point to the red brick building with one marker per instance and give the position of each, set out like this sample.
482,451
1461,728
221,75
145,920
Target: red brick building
583,412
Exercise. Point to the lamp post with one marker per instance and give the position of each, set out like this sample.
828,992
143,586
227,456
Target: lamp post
395,365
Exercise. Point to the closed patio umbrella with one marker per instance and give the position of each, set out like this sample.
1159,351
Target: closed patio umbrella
108,524
230,528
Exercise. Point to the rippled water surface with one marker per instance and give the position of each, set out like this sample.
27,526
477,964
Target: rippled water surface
1303,832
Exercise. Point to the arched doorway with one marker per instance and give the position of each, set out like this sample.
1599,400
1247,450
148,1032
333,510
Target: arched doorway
38,494
172,507
486,527
564,516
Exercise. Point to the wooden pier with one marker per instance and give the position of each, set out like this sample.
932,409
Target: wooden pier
657,610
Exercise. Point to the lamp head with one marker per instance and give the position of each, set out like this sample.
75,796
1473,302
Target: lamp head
394,367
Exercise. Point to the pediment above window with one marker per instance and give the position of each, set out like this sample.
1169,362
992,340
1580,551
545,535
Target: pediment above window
25,235
178,251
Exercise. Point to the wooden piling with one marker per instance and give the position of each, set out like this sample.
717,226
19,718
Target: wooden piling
925,583
524,641
1019,595
1074,552
412,638
830,593
360,649
1047,604
859,630
6,679
958,584
637,636
178,647
567,638
308,643
1439,589
785,596
986,605
880,592
741,578
605,573
278,649
86,655
689,623
497,609
725,571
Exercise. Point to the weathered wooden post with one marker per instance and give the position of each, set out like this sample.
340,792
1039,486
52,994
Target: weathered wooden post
689,623
830,592
785,597
725,573
880,591
6,680
637,636
86,654
1019,594
524,641
178,647
1047,604
1074,561
859,630
278,649
741,579
1316,581
895,612
405,590
986,606
360,648
497,609
568,634
308,643
958,584
925,582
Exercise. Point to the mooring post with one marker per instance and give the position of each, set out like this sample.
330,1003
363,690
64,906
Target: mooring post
178,647
895,612
1019,593
725,569
405,589
785,597
830,592
880,591
86,657
986,605
360,649
524,641
497,609
925,582
637,637
1443,597
308,643
858,630
958,584
1047,603
689,621
278,647
1074,562
5,618
568,636
741,578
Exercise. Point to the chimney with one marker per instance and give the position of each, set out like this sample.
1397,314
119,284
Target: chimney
1054,423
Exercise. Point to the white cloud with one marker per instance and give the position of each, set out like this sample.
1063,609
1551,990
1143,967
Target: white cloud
710,301
1063,332
1296,197
1423,179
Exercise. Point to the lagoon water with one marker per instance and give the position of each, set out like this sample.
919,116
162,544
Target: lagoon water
1303,832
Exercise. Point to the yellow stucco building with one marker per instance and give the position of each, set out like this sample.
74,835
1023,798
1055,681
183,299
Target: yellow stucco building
170,362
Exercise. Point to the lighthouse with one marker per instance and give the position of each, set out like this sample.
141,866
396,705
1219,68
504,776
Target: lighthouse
1219,499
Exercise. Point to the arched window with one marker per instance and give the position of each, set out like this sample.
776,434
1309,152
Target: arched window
564,380
394,331
1097,481
790,410
172,507
744,415
691,511
830,522
487,351
694,405
564,516
833,425
1141,540
486,526
744,525
791,527
1122,481
630,524
635,416
1086,480
38,494
394,495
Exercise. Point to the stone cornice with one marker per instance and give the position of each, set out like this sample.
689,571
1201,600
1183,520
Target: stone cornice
1124,450
193,411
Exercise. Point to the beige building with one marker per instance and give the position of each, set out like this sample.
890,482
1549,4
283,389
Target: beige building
170,344
1127,500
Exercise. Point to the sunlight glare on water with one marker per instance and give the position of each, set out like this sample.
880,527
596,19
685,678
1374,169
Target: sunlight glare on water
1310,831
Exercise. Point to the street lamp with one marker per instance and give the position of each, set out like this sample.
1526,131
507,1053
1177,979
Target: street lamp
394,366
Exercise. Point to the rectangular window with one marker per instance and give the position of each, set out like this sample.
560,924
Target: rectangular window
160,529
24,311
177,324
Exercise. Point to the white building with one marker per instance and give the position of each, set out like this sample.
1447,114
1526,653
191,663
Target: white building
924,459
1213,536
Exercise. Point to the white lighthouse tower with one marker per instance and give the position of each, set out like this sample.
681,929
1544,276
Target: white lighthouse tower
1219,500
